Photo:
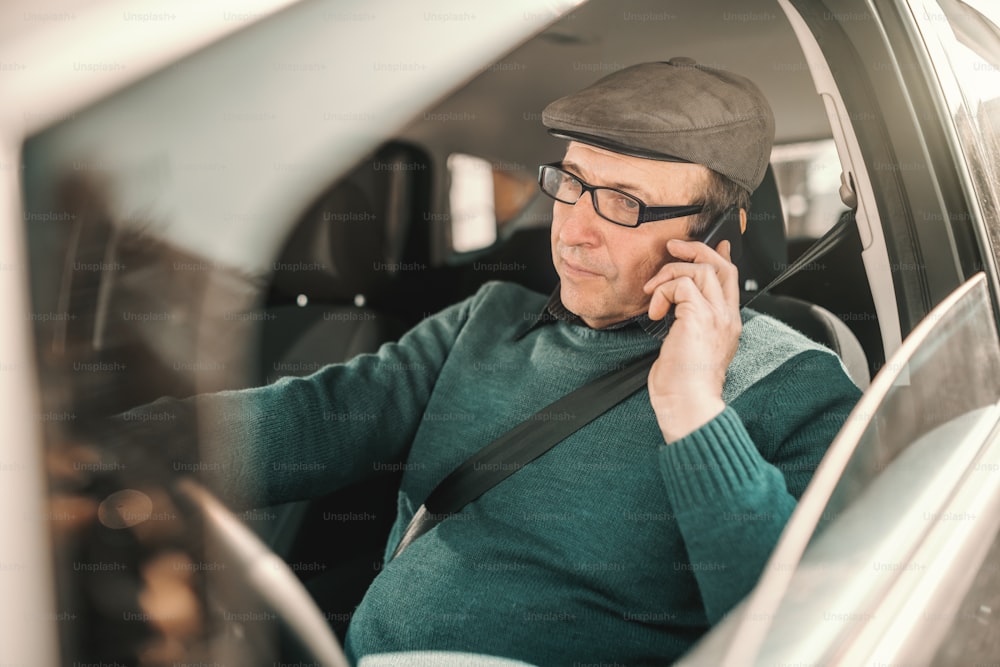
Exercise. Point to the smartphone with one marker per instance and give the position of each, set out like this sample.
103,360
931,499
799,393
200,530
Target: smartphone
726,228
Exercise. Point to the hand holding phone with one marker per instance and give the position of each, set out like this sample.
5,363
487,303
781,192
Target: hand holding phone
726,227
686,381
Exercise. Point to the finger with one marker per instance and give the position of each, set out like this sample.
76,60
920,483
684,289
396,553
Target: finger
664,272
725,249
729,278
705,277
698,252
680,292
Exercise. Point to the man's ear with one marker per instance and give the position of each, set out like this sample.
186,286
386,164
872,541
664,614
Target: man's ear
743,221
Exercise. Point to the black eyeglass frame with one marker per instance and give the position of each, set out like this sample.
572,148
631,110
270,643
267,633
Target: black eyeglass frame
646,213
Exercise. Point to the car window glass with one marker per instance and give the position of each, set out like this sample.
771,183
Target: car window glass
967,40
808,177
483,197
975,60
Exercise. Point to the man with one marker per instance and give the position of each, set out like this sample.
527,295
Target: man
629,539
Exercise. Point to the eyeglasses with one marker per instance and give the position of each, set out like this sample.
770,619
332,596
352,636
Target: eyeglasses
611,204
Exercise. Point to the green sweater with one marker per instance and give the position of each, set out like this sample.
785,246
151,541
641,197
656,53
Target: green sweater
614,547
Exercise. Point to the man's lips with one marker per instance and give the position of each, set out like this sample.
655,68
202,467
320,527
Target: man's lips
578,269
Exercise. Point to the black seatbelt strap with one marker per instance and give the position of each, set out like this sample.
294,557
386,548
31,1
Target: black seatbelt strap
546,428
524,443
823,245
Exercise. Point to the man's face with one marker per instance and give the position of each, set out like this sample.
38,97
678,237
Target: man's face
603,266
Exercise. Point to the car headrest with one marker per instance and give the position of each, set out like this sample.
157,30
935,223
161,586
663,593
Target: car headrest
351,239
765,248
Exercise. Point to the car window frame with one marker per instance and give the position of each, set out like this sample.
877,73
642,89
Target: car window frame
865,64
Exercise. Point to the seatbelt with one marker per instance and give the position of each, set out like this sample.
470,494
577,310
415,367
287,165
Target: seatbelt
524,443
546,428
822,246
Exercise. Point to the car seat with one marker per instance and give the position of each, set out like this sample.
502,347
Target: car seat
327,285
765,256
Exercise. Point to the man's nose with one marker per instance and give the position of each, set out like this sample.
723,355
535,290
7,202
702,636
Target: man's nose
579,223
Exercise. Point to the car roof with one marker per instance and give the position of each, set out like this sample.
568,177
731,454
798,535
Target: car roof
297,139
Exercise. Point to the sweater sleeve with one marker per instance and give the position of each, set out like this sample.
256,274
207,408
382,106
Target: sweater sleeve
731,500
300,437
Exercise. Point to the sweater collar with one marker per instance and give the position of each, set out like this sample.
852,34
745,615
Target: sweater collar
555,311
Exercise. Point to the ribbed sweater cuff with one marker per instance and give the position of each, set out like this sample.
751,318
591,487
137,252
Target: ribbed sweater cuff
713,462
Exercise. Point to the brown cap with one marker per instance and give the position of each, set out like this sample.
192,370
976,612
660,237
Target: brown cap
676,110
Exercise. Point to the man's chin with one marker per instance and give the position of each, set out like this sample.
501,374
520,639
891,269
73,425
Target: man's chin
572,298
583,306
596,312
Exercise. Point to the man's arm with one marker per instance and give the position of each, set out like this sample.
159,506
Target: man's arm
731,503
300,437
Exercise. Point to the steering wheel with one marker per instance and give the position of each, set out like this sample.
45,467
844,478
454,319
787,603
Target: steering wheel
267,576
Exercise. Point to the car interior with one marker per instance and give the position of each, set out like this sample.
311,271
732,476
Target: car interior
350,308
397,237
374,266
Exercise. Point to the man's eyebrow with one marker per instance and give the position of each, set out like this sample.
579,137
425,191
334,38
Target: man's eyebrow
631,188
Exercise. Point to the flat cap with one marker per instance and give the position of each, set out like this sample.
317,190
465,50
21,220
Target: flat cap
676,110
